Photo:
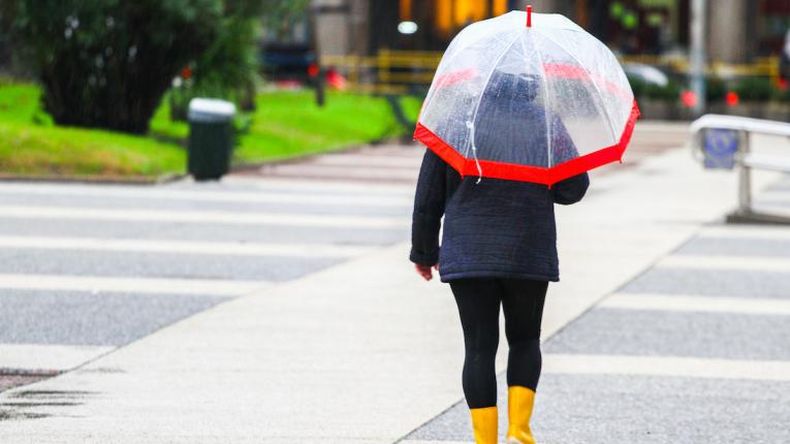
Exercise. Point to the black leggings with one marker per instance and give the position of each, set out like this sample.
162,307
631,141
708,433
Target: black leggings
478,304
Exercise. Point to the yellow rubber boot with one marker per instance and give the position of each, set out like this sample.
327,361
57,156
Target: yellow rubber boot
520,401
485,423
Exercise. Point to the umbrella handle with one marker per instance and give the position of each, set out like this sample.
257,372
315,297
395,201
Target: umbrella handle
471,127
529,16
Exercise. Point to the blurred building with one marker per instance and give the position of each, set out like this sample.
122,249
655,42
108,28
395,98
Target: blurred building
738,30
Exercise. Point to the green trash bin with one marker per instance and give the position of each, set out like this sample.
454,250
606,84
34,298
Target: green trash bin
210,138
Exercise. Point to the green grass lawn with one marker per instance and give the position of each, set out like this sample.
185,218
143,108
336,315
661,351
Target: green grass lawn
284,125
30,145
290,124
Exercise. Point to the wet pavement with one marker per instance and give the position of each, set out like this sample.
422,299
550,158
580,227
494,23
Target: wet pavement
89,268
720,301
91,265
692,350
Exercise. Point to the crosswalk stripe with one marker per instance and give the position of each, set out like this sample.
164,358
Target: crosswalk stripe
747,232
184,247
420,441
351,187
309,186
342,172
667,366
740,263
207,287
163,193
689,303
32,357
220,217
779,195
367,161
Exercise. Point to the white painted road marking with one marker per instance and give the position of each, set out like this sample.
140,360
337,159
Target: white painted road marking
271,183
47,357
207,287
666,366
184,247
368,161
747,232
208,195
341,172
183,216
419,441
739,263
688,303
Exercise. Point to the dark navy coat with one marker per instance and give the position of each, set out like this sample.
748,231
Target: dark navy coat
497,228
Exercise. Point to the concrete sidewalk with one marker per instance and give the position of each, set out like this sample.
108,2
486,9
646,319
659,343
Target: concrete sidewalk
361,352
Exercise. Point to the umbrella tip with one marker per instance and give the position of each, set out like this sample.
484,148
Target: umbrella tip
529,16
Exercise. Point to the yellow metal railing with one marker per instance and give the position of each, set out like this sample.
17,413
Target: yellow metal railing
386,72
761,67
392,72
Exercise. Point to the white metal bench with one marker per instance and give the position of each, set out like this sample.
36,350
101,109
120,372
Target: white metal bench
747,160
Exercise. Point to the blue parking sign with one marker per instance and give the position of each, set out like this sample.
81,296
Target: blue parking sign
719,147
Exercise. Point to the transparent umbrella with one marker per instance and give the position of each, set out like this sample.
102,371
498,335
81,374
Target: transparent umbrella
527,97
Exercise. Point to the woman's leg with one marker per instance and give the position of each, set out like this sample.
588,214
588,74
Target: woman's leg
478,305
522,303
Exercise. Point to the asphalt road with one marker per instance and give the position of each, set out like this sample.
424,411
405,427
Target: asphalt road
90,268
85,269
707,316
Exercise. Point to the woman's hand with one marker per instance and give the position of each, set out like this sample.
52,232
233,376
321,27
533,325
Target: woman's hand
426,271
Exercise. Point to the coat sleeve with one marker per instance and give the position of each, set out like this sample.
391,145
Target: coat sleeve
573,189
429,203
570,190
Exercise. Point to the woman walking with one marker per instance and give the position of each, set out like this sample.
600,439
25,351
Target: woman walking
498,249
515,117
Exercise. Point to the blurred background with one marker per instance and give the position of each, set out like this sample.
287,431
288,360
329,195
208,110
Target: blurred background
133,70
278,304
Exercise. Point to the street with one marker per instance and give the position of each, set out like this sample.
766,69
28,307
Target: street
278,306
209,211
89,268
693,350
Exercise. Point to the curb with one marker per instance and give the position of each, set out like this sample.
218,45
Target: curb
107,180
256,166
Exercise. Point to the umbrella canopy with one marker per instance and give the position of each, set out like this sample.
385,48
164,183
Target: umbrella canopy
527,97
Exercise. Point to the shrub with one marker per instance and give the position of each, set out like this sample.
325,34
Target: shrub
715,89
637,85
229,67
753,89
107,63
782,95
670,93
644,90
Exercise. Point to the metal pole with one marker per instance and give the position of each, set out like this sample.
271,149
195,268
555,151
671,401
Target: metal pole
697,54
582,16
745,182
320,87
314,12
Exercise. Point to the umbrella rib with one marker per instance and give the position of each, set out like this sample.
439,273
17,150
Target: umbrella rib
547,114
458,52
595,85
485,85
